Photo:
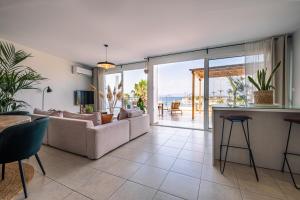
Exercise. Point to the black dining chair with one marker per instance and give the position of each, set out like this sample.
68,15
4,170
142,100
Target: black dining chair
15,113
20,142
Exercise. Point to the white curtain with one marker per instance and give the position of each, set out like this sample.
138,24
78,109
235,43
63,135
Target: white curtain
266,54
258,56
98,83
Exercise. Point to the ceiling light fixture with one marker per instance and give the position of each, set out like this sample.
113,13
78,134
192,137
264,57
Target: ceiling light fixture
106,64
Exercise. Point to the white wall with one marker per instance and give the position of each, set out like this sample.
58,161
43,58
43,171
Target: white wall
59,76
296,68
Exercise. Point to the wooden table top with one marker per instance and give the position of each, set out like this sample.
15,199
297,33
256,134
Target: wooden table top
11,120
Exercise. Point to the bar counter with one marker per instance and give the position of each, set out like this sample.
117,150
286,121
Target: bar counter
268,134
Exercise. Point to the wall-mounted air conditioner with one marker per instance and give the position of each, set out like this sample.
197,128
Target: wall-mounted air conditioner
82,71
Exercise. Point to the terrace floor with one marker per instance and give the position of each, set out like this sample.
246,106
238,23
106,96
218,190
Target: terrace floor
164,164
183,120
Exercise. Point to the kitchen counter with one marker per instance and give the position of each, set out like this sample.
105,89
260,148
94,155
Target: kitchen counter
268,134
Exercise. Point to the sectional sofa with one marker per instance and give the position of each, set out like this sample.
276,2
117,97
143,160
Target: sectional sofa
83,138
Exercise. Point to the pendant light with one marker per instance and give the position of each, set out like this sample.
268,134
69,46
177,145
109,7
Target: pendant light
106,64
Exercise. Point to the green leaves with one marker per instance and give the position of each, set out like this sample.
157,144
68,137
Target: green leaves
14,77
262,82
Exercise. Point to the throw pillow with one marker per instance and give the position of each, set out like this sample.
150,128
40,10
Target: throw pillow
95,117
122,114
106,118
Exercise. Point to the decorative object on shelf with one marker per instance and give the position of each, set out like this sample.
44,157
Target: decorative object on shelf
15,77
264,93
106,64
114,96
48,90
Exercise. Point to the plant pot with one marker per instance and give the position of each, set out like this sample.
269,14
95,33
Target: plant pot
263,97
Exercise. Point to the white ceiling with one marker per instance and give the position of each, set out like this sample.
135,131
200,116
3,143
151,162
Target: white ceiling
135,29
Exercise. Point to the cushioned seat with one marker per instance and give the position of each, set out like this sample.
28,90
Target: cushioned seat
236,117
294,120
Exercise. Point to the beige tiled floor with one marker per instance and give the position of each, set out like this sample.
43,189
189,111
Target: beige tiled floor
165,164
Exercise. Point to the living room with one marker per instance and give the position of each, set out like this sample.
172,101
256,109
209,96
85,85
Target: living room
149,100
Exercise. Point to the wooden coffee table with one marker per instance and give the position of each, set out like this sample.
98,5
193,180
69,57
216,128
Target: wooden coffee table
11,120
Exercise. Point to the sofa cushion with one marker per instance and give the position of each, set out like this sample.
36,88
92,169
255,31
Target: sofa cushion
134,113
129,113
106,118
54,113
95,117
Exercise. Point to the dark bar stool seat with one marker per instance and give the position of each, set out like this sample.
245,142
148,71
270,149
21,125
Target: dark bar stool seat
239,119
286,152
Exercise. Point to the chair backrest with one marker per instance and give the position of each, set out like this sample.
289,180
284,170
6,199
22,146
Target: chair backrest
175,105
15,113
22,141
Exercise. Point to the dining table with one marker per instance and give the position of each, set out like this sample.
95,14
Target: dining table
11,120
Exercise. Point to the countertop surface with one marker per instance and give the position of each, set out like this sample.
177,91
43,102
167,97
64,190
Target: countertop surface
257,107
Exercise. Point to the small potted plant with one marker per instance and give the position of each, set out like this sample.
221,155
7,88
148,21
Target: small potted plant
264,93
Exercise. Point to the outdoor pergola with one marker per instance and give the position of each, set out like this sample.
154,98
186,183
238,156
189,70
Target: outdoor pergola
214,72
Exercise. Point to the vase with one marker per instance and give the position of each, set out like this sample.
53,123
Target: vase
263,97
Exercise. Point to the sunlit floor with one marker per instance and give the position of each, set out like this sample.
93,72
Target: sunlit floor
165,164
183,120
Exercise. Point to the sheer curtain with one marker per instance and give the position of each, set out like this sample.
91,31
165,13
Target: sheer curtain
98,84
258,55
266,54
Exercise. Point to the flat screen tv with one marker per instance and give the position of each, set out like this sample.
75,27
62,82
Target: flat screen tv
82,97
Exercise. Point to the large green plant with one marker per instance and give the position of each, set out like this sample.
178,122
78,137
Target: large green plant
14,77
264,83
140,90
238,87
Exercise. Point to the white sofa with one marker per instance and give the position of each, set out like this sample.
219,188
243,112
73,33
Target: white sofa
83,138
138,126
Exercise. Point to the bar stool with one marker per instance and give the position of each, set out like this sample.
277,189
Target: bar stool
239,119
286,152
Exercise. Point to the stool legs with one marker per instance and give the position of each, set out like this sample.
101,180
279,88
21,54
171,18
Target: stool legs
221,145
286,147
222,171
250,151
285,160
247,138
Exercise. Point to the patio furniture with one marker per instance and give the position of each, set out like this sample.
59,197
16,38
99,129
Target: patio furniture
175,107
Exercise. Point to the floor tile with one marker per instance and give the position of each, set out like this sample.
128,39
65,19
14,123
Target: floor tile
76,196
180,185
161,161
164,196
101,186
133,191
266,186
131,154
191,155
47,191
214,191
104,163
194,147
254,196
149,176
168,151
124,168
213,174
174,144
186,167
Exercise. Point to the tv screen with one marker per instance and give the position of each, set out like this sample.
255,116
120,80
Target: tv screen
82,97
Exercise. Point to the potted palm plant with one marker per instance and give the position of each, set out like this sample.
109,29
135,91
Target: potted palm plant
15,77
264,93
